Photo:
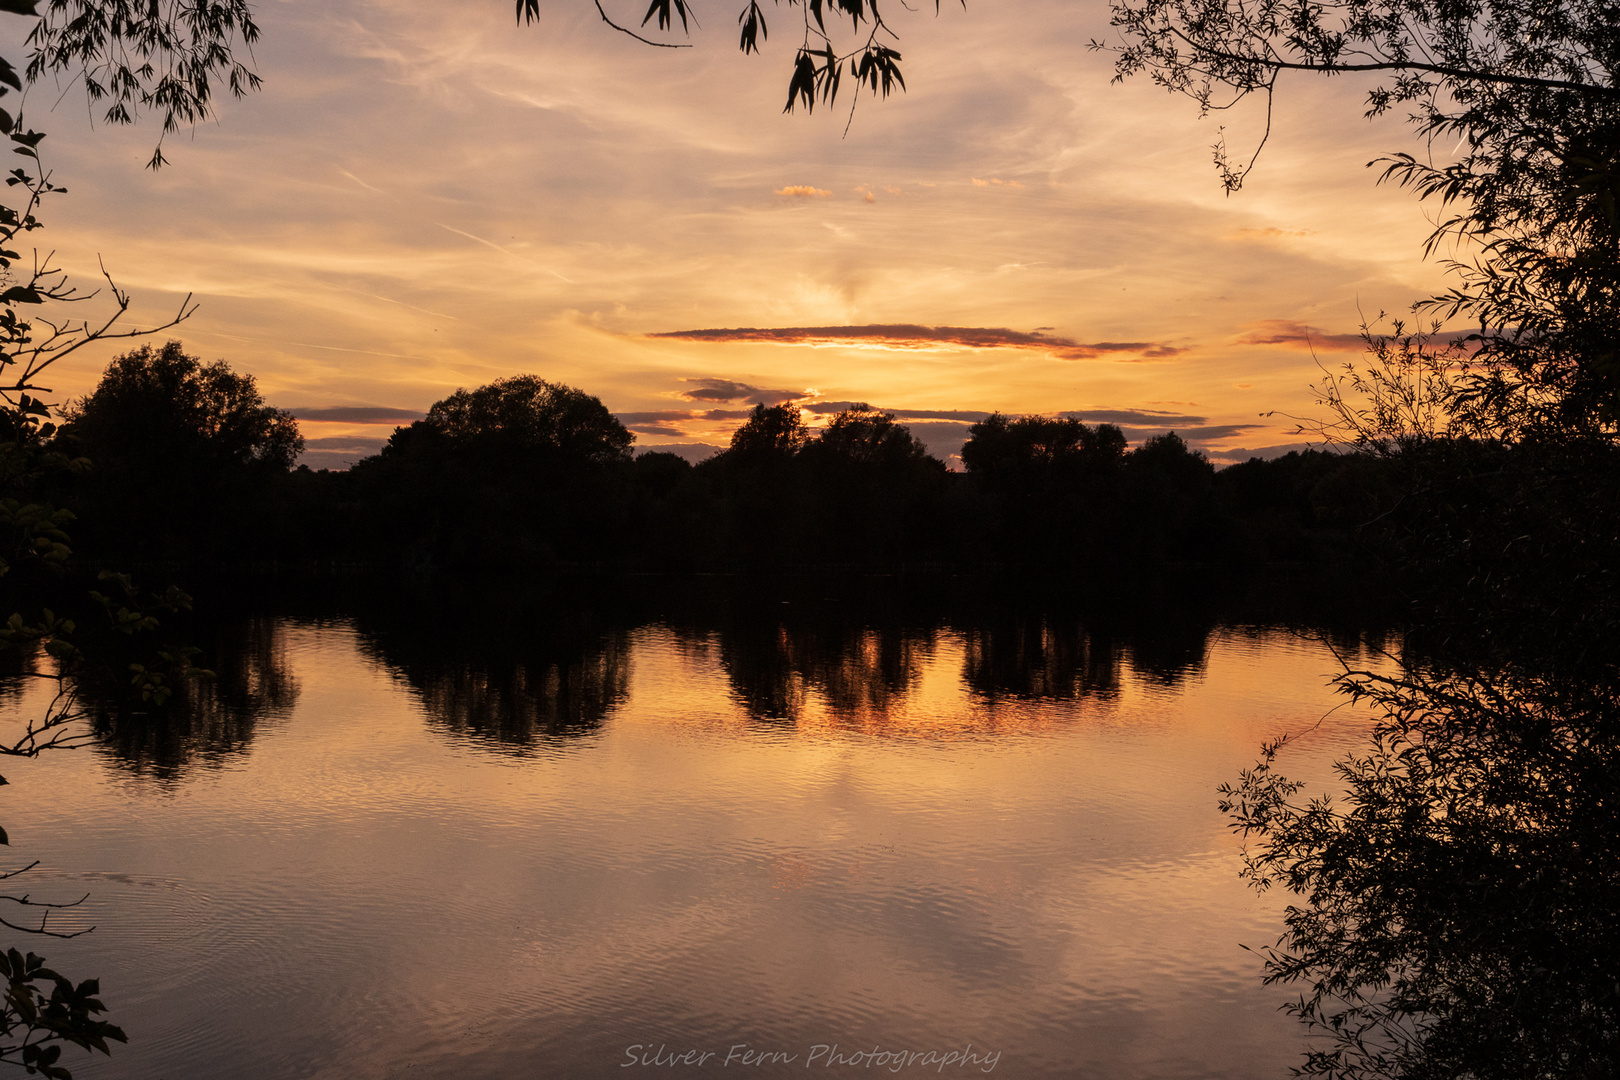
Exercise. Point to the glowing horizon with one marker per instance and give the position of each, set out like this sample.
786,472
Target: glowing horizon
423,200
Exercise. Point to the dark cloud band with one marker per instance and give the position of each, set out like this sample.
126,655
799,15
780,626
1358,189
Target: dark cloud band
1284,332
358,414
913,336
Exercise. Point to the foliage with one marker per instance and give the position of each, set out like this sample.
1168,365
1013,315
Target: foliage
861,435
181,459
1003,445
1511,80
770,432
169,407
818,65
165,56
525,414
34,1025
496,492
550,457
1527,95
1456,905
1455,911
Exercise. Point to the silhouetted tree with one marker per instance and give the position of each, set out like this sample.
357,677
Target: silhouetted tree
1170,509
875,494
521,472
161,407
1054,483
760,481
1454,905
1001,447
1305,506
775,432
183,456
527,417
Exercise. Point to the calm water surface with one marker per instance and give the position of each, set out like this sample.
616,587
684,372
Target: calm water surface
383,856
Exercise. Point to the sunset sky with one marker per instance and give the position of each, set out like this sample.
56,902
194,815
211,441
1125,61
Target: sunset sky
427,196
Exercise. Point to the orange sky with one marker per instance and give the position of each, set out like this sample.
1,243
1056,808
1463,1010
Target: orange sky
426,197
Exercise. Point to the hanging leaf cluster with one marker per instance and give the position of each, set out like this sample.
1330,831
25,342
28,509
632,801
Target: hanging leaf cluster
819,63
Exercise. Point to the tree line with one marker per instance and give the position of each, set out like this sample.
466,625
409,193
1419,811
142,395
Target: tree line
177,461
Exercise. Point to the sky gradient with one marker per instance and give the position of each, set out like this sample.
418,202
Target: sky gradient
427,197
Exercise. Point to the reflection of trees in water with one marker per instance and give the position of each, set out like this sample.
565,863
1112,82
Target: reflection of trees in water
512,701
865,665
1039,655
14,663
1167,652
506,677
209,719
773,661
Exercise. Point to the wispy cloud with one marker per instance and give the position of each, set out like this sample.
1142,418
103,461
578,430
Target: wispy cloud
1238,454
666,416
912,336
1137,417
656,416
1285,332
345,444
730,390
506,251
802,191
1272,234
358,414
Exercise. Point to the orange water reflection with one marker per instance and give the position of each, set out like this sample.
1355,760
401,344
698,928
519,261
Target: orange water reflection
515,857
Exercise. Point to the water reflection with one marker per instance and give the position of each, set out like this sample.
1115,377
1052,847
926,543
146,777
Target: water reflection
772,659
1038,657
508,676
14,665
859,665
703,867
209,719
518,666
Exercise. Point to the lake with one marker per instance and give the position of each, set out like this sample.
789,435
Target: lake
767,832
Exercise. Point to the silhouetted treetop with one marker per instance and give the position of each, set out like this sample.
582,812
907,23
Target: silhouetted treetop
526,413
1169,454
776,431
999,444
162,405
862,435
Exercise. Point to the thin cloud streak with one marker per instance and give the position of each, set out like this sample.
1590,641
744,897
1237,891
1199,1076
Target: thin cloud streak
1287,332
1136,417
362,183
914,336
506,251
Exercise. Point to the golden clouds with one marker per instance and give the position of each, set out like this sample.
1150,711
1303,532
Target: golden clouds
438,202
